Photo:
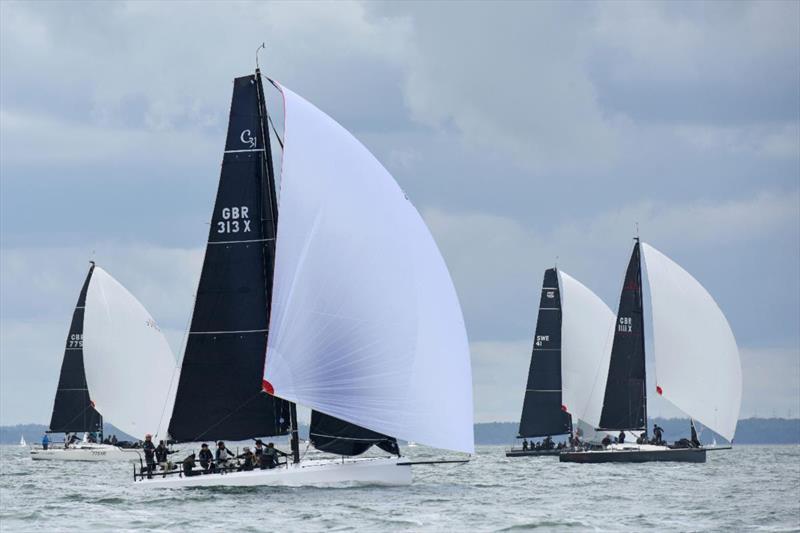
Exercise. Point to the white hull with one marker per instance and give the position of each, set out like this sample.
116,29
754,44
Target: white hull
86,452
314,472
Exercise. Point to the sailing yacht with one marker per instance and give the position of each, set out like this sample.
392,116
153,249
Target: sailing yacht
22,442
113,345
697,363
573,330
343,304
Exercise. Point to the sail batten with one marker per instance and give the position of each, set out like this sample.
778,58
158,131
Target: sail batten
697,360
365,326
72,408
543,411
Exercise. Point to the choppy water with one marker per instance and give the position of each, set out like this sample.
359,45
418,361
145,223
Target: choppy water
748,488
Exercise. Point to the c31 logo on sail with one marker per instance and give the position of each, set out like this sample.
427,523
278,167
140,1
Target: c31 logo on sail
234,220
247,138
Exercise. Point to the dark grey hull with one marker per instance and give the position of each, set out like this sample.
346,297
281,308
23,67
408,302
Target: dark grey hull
678,455
532,453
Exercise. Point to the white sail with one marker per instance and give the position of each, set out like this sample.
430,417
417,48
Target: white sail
365,325
587,333
129,365
697,360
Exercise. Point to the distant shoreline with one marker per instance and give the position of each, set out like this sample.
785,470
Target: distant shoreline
750,431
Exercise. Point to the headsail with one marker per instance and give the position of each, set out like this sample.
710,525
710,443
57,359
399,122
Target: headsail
587,332
129,365
72,409
543,412
625,402
220,392
366,325
697,361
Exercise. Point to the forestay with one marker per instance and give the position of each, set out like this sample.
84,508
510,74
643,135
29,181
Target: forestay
697,360
587,333
366,325
129,365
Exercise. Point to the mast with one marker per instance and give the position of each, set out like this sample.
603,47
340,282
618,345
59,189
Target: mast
543,412
270,201
625,403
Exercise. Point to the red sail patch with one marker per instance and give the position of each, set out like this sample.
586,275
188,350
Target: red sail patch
659,390
267,387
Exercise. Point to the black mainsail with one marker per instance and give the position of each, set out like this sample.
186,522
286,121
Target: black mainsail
73,410
625,403
542,410
220,393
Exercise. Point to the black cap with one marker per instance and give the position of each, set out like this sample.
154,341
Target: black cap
259,441
204,445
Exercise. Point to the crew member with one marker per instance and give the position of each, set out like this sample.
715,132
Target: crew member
606,441
162,453
45,441
149,454
269,459
524,445
658,433
258,452
188,466
247,459
621,437
222,455
206,458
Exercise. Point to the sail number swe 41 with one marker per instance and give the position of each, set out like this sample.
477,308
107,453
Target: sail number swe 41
234,220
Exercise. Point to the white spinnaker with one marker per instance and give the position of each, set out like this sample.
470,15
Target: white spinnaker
697,361
587,332
129,365
365,324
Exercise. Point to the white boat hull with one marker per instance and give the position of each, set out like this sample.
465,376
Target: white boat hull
86,452
382,471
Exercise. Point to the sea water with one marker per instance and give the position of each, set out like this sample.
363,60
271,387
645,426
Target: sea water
747,488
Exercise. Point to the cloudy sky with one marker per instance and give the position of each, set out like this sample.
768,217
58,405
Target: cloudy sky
521,131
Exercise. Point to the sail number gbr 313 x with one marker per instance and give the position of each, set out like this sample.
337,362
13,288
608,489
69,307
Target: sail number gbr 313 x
234,220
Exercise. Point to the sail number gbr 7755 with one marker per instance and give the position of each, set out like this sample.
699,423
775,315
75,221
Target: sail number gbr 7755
234,220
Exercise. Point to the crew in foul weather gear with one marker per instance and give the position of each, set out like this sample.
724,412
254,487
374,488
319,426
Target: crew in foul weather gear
222,455
45,441
149,453
621,437
269,459
188,466
162,453
606,441
206,458
258,452
658,432
247,459
524,445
